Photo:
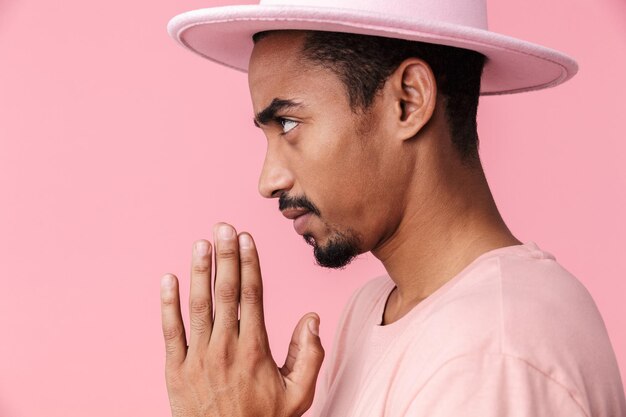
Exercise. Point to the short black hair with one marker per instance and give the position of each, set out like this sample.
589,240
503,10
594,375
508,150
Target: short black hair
364,63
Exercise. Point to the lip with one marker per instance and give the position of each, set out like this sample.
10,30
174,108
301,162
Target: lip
293,213
300,223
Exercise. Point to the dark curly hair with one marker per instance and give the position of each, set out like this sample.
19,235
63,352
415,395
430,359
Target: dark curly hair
364,63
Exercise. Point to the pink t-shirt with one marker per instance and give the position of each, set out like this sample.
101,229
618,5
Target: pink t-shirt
513,334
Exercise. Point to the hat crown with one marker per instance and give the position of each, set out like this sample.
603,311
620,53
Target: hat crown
462,12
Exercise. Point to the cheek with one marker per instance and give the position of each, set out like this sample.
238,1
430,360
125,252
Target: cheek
333,162
342,182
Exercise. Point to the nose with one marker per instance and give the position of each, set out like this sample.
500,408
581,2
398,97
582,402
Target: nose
275,176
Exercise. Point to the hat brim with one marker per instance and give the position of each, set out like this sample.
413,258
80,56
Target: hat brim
224,35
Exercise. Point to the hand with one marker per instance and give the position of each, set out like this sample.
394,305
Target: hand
228,370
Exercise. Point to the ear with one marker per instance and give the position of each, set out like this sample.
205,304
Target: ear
414,93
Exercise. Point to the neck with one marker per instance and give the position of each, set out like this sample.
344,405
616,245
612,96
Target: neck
443,230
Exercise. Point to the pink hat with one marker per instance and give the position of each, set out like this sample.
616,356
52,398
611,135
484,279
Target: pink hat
224,34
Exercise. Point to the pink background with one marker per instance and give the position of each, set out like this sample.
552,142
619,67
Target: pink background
118,149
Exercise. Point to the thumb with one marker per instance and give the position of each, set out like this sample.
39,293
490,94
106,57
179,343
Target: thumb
304,360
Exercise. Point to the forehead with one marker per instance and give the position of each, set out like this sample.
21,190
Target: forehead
276,44
277,69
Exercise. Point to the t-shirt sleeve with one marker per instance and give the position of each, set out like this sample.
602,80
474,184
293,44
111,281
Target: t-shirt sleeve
493,385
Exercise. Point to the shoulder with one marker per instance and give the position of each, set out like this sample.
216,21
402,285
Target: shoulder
519,325
542,282
520,299
525,304
537,317
541,299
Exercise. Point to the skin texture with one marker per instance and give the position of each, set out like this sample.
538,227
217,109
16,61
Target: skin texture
227,369
387,181
390,177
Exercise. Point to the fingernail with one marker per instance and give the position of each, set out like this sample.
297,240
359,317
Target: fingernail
201,247
245,241
313,327
226,232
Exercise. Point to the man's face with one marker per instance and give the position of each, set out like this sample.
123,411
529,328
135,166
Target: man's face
320,155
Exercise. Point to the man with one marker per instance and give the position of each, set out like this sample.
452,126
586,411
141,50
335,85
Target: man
370,115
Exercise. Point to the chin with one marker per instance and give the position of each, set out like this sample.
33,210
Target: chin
338,250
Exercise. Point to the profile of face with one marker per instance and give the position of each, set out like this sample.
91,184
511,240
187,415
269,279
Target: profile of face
343,167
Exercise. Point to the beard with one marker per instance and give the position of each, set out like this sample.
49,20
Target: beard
340,250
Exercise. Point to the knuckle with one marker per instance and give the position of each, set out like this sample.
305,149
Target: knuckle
172,333
319,351
248,262
227,293
222,358
294,346
253,353
196,370
201,268
169,300
200,306
228,254
291,356
251,294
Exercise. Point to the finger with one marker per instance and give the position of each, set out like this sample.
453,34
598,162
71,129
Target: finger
252,322
226,300
172,322
304,360
304,368
200,303
295,344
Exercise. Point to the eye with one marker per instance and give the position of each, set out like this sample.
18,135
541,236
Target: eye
287,124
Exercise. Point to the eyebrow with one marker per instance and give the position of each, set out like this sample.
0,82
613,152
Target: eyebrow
269,113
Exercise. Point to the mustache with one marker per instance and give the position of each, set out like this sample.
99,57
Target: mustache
285,202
